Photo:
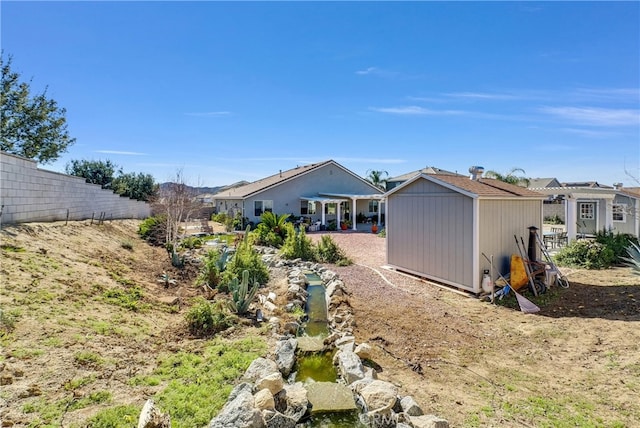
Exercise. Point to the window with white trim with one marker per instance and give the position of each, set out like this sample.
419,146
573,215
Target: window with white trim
373,206
587,211
260,207
307,207
330,208
619,212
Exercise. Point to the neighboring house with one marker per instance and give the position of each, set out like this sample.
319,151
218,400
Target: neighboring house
398,180
588,207
320,192
439,225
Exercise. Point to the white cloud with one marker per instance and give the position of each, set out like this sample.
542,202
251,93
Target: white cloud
375,71
595,116
589,132
416,111
481,96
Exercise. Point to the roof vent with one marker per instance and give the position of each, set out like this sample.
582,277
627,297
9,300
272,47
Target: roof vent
476,172
617,186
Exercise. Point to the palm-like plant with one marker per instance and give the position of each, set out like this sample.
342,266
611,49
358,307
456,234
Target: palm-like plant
273,221
509,177
633,261
377,178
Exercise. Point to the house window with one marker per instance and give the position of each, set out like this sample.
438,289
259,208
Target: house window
619,212
330,209
587,211
260,207
307,207
373,206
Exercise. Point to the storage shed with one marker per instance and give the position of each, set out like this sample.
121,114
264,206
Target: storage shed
438,226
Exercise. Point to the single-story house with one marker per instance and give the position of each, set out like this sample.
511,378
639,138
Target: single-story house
588,207
440,225
320,192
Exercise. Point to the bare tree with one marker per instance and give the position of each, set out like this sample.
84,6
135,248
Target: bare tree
177,202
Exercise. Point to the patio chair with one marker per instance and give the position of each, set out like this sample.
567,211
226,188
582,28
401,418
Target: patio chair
314,227
561,239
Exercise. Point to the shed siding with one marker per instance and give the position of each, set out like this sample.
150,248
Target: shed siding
500,220
430,232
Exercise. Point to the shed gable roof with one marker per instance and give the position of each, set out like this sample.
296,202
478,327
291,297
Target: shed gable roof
482,187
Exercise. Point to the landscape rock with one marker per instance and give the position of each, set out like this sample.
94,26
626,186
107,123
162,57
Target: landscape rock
429,421
152,417
263,400
269,306
276,419
291,328
346,343
350,366
285,355
296,402
363,351
239,411
410,407
379,395
259,368
273,382
330,397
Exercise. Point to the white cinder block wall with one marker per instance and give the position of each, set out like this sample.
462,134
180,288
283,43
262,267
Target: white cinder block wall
29,194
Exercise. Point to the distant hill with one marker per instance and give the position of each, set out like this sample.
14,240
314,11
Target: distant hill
208,190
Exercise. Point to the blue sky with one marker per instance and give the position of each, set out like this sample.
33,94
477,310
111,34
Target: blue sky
229,91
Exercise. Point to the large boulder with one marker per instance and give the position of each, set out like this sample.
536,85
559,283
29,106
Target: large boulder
363,351
239,411
350,366
330,397
286,355
295,403
263,400
379,395
273,382
259,368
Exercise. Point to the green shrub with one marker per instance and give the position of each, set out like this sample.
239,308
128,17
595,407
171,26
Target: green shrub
214,264
617,242
607,249
329,252
297,245
587,254
191,242
219,218
153,229
553,219
205,318
246,258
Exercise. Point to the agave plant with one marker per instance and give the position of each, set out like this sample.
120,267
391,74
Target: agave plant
633,261
241,295
166,280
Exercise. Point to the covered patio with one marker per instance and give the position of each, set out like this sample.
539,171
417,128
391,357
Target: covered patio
338,198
